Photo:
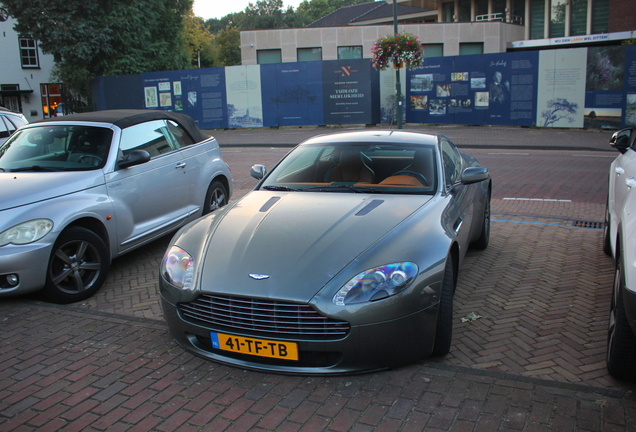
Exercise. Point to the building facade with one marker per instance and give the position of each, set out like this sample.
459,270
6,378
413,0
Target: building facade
447,28
25,75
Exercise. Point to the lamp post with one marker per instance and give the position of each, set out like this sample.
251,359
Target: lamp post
398,87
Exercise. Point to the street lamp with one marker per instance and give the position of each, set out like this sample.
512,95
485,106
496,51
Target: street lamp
398,87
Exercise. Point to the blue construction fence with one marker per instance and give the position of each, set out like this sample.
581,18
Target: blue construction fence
591,87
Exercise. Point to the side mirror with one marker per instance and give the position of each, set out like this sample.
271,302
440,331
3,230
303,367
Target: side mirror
621,140
135,157
474,175
258,171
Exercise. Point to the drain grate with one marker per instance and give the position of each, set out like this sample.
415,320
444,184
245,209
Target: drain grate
587,224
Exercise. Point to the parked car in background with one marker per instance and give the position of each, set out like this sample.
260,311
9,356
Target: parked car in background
343,259
9,123
82,189
619,237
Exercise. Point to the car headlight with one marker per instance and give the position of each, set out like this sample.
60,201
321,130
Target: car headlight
177,267
26,232
376,283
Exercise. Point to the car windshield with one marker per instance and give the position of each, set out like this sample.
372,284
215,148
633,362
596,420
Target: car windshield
56,148
356,168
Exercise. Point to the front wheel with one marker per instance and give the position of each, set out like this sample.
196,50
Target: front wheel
215,198
621,342
444,329
77,267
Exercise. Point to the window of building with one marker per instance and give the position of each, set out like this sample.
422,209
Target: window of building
557,18
309,54
29,53
537,19
578,17
349,52
469,48
518,12
464,11
499,7
481,7
600,16
268,56
448,10
433,50
51,98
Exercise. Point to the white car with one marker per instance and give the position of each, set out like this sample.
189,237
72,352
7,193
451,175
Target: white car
9,123
82,189
619,241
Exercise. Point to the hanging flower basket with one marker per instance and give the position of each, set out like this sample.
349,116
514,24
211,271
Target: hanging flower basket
403,49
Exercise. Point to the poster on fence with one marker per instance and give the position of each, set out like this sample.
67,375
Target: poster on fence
243,96
347,92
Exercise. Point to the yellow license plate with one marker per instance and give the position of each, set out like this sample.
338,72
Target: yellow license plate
256,347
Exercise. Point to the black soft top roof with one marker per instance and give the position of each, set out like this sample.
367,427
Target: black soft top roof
129,117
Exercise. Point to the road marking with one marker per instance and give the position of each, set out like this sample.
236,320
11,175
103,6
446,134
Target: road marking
536,199
518,154
543,223
605,156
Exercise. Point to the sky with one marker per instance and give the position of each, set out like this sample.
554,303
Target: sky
207,9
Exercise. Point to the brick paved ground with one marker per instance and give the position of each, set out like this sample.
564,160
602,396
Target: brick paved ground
532,357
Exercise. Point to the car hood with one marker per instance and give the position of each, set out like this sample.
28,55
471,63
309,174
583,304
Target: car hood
23,188
294,243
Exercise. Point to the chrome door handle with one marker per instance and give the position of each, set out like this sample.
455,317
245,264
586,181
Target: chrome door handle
630,182
181,165
619,170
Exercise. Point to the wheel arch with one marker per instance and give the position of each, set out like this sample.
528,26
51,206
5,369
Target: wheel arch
94,225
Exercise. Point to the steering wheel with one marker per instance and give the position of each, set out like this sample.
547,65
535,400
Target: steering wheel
98,159
411,173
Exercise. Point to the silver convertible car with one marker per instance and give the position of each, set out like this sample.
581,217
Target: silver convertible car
343,259
80,190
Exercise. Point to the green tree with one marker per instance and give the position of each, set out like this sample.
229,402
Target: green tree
313,10
105,37
227,51
198,41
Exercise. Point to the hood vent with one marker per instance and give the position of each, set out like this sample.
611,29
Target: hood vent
369,207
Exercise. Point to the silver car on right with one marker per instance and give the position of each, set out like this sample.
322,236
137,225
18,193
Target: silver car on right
9,123
619,241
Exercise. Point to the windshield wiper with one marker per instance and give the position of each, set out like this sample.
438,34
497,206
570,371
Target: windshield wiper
37,168
280,188
344,188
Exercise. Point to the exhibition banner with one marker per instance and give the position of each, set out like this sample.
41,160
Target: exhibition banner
347,91
429,91
293,94
243,96
630,86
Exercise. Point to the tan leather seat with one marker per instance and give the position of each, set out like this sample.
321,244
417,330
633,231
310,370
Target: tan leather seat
351,168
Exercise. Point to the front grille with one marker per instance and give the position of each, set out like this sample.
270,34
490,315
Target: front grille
263,317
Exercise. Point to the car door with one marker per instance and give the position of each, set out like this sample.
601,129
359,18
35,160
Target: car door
622,177
461,205
150,199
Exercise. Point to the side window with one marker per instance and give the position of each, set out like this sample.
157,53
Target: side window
181,137
152,136
4,130
452,162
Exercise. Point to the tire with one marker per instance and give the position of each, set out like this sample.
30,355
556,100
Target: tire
621,342
607,244
215,198
444,328
77,267
484,236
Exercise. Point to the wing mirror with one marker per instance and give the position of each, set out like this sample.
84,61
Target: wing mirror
474,175
621,140
135,157
258,171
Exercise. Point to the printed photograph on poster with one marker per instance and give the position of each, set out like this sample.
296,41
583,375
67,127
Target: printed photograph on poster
419,102
165,99
443,90
602,118
151,97
481,99
422,82
478,83
459,76
177,88
437,106
192,99
453,103
605,68
466,103
630,110
178,105
164,86
499,89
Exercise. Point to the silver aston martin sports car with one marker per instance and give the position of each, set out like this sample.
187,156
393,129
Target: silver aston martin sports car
343,259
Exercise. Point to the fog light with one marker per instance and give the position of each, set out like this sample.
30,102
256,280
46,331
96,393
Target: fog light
12,280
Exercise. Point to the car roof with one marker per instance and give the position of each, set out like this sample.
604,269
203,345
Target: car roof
129,117
377,136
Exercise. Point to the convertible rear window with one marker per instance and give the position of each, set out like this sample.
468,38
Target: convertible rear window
355,167
56,148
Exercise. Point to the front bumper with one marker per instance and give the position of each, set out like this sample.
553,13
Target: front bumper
365,348
29,262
